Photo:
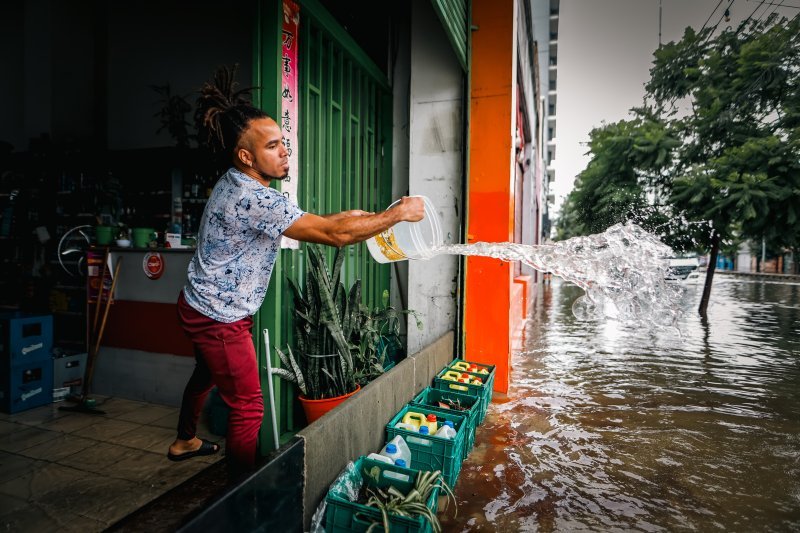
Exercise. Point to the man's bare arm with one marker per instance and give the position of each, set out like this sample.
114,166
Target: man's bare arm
342,229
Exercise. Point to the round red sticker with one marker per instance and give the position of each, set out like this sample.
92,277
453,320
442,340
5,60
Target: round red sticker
153,265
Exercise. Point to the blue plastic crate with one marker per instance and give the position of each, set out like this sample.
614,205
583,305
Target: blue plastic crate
25,338
429,452
343,515
26,386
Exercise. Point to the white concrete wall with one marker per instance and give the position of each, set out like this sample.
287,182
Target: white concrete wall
435,168
400,77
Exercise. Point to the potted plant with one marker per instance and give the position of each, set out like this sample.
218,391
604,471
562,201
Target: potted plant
322,364
341,344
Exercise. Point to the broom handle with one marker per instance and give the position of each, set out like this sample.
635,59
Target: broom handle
90,370
100,292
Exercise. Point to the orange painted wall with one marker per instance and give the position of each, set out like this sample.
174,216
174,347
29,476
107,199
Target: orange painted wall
491,202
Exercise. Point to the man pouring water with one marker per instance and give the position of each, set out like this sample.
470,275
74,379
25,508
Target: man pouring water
238,243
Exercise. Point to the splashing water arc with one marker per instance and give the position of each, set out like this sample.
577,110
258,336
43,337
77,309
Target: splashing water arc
622,270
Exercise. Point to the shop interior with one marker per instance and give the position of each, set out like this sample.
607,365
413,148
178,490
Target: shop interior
97,130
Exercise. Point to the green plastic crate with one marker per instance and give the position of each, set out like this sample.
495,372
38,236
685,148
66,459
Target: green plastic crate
489,377
431,397
342,515
429,452
483,391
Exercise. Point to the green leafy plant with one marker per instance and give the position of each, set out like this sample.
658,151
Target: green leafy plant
325,315
393,502
339,342
172,115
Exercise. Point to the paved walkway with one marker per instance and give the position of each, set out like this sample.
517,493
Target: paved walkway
66,471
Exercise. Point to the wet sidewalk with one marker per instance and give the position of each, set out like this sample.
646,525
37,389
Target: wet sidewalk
68,471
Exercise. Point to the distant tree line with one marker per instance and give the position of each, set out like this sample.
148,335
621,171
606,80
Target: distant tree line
712,157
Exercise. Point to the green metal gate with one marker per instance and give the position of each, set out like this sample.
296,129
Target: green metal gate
345,163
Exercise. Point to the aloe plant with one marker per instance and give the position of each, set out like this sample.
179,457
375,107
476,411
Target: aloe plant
322,363
339,342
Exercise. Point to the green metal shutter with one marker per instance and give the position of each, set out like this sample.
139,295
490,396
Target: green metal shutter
345,163
345,148
453,14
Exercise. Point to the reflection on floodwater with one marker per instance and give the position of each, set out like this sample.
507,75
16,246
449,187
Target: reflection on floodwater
610,428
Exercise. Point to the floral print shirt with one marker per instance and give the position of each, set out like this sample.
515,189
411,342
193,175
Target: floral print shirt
237,244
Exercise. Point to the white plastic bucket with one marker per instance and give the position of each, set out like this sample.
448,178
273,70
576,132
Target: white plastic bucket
408,240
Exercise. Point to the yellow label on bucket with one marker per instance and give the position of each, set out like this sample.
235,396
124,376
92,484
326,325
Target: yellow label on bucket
388,245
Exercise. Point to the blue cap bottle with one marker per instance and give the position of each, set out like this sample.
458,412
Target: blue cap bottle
400,462
423,430
449,423
391,448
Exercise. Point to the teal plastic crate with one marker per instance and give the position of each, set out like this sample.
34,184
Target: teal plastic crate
342,515
429,452
431,398
483,391
488,375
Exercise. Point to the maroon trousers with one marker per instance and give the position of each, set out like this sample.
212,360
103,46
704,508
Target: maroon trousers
226,358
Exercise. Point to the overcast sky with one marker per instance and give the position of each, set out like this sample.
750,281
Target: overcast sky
605,48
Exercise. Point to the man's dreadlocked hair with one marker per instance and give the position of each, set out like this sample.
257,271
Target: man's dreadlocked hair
223,112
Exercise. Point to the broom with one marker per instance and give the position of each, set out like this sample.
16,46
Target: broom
86,404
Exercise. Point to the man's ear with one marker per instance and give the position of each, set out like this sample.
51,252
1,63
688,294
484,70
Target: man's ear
245,156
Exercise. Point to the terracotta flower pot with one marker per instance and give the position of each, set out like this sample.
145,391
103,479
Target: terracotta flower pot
316,408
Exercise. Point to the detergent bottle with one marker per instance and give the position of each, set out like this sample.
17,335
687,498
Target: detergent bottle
379,457
407,426
447,431
397,449
451,375
420,420
460,365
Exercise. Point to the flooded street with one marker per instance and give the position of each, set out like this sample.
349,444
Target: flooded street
612,429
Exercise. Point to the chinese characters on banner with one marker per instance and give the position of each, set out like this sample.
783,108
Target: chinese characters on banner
289,103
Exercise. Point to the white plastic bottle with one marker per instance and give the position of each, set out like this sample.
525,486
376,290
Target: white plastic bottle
447,431
397,449
406,426
379,457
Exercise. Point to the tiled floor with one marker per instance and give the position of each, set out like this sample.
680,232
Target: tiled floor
71,471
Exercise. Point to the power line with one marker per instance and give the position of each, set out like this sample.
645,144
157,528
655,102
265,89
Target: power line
780,4
726,12
753,13
711,15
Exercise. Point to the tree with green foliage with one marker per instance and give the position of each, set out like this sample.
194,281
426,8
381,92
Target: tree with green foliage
739,161
722,116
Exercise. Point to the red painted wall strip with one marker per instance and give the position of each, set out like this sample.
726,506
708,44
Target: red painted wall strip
146,326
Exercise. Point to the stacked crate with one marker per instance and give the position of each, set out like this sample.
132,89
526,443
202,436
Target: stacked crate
26,365
464,404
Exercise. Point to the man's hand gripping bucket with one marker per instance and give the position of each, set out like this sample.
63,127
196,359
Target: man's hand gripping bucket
408,240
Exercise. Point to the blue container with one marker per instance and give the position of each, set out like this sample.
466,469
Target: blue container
25,338
26,386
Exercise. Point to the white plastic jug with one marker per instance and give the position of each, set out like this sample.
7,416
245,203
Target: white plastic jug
406,426
379,457
447,431
397,449
408,240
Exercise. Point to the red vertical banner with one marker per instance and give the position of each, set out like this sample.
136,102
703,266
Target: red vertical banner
289,102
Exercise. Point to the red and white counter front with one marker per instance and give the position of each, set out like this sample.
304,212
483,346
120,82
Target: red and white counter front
144,354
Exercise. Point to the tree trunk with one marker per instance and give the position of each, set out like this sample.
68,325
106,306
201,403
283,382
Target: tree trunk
712,266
